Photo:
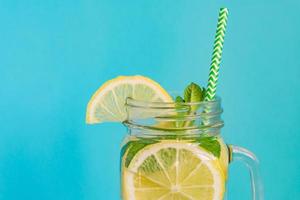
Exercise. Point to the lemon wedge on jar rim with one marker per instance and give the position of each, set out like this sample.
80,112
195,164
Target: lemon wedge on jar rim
108,102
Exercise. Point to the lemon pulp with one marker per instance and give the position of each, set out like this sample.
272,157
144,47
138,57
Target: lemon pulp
108,102
173,170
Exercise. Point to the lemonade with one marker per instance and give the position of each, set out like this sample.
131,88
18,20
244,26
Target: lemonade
171,169
174,149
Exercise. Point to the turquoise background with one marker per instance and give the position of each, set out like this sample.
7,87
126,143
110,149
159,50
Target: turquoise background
55,54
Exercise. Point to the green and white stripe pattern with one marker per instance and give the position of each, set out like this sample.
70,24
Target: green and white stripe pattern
217,54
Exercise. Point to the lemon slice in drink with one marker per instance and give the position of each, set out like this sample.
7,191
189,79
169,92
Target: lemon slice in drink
108,102
168,170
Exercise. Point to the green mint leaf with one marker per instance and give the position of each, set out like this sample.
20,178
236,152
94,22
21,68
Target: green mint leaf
179,99
133,147
211,144
193,93
178,123
203,93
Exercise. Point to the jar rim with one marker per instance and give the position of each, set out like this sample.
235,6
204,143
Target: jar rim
173,116
131,102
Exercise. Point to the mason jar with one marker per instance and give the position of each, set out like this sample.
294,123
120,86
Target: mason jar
176,151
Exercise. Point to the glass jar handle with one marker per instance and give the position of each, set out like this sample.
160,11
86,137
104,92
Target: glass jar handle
252,163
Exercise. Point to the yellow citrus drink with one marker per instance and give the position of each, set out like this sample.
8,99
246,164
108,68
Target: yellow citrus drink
167,168
174,149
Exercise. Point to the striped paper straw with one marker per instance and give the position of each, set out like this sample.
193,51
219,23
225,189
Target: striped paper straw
216,56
